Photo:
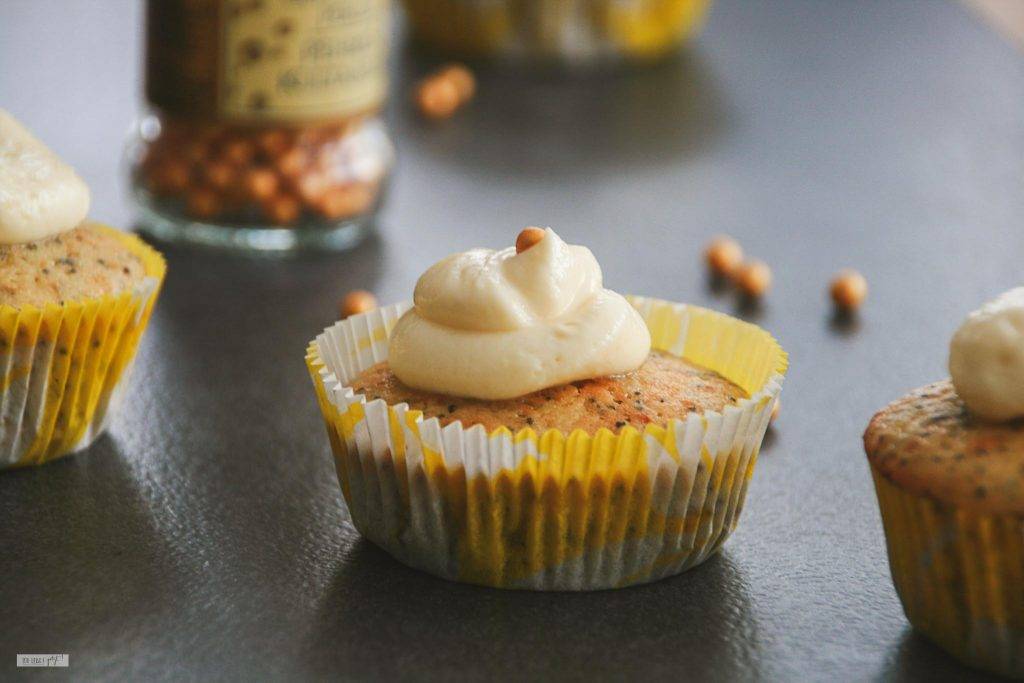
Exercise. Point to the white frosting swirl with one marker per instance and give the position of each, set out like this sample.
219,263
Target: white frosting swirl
986,358
497,324
40,195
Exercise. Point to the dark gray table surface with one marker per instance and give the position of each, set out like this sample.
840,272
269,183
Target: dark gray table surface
205,536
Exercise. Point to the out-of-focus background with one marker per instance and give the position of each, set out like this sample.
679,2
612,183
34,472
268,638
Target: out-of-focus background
1006,16
205,536
82,96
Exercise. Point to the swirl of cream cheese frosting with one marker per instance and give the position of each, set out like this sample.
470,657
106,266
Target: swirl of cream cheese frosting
986,358
499,324
40,195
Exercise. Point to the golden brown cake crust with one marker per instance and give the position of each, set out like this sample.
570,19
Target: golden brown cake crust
929,444
84,263
664,387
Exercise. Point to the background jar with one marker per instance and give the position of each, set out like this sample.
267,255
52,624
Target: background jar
264,127
572,32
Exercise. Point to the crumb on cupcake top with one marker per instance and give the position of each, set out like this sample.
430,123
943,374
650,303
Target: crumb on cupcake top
84,263
663,388
930,444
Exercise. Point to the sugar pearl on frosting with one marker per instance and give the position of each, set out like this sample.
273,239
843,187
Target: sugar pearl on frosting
528,237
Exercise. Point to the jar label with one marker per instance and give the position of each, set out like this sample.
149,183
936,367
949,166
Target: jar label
268,60
300,59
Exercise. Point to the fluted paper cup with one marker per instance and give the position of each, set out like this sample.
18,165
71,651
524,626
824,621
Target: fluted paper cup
63,366
551,511
959,575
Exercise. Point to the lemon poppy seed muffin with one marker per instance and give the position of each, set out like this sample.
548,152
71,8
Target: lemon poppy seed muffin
950,487
663,388
948,465
480,433
83,263
75,298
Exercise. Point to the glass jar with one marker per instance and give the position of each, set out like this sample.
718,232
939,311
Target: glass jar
567,31
264,127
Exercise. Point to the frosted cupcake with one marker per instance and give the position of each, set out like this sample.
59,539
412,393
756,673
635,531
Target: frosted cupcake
521,426
74,299
948,465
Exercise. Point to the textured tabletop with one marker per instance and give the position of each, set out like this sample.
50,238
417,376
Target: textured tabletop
205,536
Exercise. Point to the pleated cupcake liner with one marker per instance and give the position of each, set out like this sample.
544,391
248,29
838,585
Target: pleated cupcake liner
63,366
538,28
959,575
549,511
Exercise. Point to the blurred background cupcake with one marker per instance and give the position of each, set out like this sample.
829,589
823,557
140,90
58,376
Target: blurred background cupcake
567,31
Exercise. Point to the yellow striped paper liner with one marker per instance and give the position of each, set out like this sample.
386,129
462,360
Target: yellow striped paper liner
549,511
63,365
959,575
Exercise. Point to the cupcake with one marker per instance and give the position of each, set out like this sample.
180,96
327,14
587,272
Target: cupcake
570,30
74,299
948,466
521,426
